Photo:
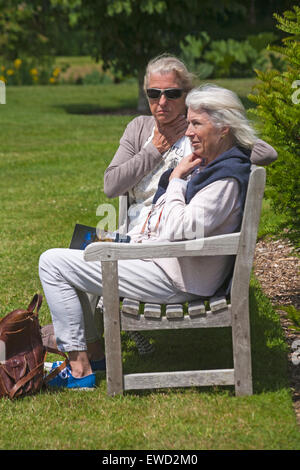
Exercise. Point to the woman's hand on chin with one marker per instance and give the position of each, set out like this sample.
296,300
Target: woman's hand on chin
186,166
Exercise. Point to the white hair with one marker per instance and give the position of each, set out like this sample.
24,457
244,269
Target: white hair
165,64
225,109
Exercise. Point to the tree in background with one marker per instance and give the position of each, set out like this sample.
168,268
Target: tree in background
36,29
29,34
126,34
123,34
278,109
22,29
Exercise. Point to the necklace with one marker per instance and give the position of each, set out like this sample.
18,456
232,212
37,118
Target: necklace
148,219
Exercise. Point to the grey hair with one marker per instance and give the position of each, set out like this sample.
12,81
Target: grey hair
225,109
164,64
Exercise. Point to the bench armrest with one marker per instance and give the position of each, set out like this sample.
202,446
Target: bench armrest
211,246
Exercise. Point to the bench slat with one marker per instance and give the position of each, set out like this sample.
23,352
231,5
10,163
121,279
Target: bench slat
217,303
210,320
131,306
179,379
152,310
196,308
174,311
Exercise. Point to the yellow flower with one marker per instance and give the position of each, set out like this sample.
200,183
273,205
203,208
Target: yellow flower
33,72
2,79
52,80
2,68
10,72
17,63
56,72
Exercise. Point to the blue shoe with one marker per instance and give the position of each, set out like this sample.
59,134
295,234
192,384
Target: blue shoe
65,379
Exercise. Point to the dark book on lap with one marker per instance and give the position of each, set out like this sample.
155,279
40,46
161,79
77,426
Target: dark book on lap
83,235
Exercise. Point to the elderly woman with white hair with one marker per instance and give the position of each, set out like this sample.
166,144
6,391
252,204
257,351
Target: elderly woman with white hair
152,144
203,195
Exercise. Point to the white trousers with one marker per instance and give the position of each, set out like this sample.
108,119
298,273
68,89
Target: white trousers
64,275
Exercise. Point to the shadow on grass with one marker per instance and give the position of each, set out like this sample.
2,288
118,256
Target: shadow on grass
123,107
212,349
126,108
269,349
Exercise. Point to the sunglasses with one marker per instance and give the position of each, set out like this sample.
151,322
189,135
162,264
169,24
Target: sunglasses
170,93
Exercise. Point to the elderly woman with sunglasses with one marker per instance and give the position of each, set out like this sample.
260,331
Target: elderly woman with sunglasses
203,195
152,144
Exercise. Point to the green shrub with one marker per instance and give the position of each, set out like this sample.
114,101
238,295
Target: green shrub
192,53
278,108
261,41
232,58
228,58
96,78
293,315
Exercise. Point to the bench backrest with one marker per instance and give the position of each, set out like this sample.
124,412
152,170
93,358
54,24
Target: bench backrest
249,229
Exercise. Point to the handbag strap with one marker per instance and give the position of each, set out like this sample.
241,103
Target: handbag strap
56,371
25,379
35,304
37,369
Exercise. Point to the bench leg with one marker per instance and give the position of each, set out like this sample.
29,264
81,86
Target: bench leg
241,346
112,331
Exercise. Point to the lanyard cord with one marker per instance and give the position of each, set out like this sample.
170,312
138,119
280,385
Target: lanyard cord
147,221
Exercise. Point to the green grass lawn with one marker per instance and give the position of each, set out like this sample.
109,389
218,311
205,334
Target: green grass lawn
55,144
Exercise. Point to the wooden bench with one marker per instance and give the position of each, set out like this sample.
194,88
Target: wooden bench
217,314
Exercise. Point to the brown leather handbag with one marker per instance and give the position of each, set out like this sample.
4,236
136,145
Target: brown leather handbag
22,352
